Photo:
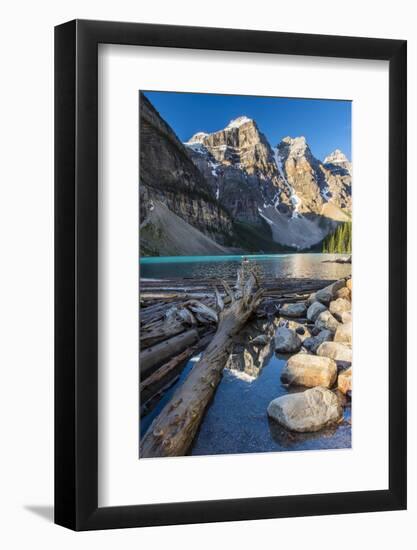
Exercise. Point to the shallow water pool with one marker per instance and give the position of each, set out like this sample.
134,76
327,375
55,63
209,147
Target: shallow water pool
236,420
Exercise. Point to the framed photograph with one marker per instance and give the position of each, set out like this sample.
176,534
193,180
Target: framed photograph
230,275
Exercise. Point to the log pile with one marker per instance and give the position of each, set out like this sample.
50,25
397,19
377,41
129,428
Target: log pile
174,326
173,430
179,318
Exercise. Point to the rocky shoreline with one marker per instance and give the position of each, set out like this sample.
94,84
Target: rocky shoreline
317,334
303,324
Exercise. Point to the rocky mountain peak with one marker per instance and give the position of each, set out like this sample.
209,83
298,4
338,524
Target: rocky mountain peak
236,123
294,147
197,138
239,121
303,173
338,163
240,144
336,157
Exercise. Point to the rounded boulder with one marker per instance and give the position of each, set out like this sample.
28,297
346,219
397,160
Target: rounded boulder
336,351
286,340
314,311
338,307
308,411
308,370
293,310
326,321
344,333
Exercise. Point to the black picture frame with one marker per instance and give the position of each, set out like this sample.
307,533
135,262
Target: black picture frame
76,272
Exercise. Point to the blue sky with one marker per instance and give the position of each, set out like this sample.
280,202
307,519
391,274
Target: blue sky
326,124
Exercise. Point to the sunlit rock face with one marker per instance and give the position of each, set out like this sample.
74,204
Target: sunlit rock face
338,160
338,173
303,173
318,185
240,166
298,197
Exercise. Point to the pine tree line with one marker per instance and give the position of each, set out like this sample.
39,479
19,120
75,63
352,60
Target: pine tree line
340,241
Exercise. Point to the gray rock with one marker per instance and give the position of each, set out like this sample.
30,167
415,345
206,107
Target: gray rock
325,295
307,411
344,333
336,351
261,340
308,370
326,321
293,310
312,344
311,299
300,328
328,293
339,306
286,340
314,310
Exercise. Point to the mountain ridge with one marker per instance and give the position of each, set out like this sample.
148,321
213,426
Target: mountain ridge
282,192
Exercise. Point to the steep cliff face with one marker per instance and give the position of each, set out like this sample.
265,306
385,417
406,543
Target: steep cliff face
321,188
240,166
338,161
303,173
168,175
300,198
338,173
242,145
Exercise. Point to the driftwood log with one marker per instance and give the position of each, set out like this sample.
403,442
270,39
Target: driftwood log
163,332
173,430
155,355
165,376
173,363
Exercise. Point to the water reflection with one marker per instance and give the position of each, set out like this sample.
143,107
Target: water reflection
236,420
287,439
291,440
251,350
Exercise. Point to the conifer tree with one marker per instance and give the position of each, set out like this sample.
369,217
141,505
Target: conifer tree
340,241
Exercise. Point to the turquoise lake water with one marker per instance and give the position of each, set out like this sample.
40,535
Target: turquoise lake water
273,265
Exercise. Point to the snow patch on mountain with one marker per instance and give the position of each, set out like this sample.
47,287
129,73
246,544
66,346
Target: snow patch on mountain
197,138
325,193
238,122
196,146
298,145
214,166
265,217
336,157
